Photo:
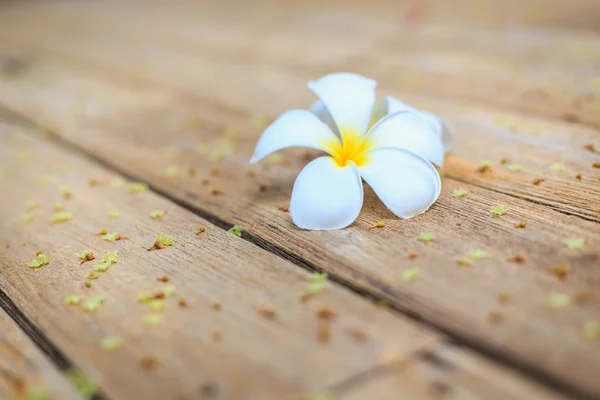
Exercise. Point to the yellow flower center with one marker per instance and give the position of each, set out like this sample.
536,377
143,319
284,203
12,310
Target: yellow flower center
352,147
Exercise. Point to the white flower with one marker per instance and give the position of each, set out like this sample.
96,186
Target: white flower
395,156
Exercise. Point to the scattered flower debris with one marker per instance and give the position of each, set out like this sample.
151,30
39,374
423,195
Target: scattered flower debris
137,187
426,237
215,191
216,306
517,259
284,208
161,241
116,182
73,299
521,224
94,303
27,217
324,333
591,330
459,193
557,167
62,216
95,182
537,181
503,298
574,244
85,255
157,305
40,261
590,147
32,205
171,171
316,282
102,232
113,214
267,313
478,254
152,320
112,236
144,297
85,387
411,255
112,343
410,275
559,301
163,278
148,362
93,276
236,230
596,164
498,211
560,271
58,206
464,262
182,303
378,224
169,290
110,257
157,214
485,165
326,314
102,267
65,191
200,230
514,167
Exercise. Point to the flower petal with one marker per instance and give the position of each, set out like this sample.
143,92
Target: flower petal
409,131
406,183
326,196
348,97
319,109
296,128
442,128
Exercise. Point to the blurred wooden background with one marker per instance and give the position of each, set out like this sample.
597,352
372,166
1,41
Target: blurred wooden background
175,94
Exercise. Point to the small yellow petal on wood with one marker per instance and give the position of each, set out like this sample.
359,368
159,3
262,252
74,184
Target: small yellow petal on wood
426,237
459,193
62,216
591,330
559,301
557,167
514,167
573,243
478,254
153,320
410,275
379,224
157,214
112,343
171,171
236,230
27,217
113,214
73,299
498,211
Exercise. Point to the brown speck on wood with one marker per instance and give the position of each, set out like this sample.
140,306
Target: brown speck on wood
560,271
484,168
324,333
157,245
217,336
201,230
521,224
503,298
148,363
95,182
191,171
215,191
88,257
305,297
205,182
537,181
382,304
357,334
251,173
441,388
459,224
326,314
504,161
182,303
578,177
596,165
159,295
88,284
163,278
37,253
517,259
590,147
495,317
216,306
284,208
209,390
214,171
571,117
307,156
412,255
267,313
584,297
262,188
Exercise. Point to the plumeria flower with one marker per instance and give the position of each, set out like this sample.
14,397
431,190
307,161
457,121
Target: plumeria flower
395,156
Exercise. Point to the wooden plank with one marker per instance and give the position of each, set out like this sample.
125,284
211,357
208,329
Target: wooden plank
257,357
24,369
522,127
123,124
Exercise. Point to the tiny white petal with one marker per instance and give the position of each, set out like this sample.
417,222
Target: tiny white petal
442,128
407,184
296,128
409,131
348,97
326,196
319,109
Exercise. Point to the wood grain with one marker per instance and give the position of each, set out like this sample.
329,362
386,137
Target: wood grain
24,369
124,123
256,356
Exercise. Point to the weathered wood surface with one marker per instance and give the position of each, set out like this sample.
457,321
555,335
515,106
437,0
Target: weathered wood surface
24,369
166,90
